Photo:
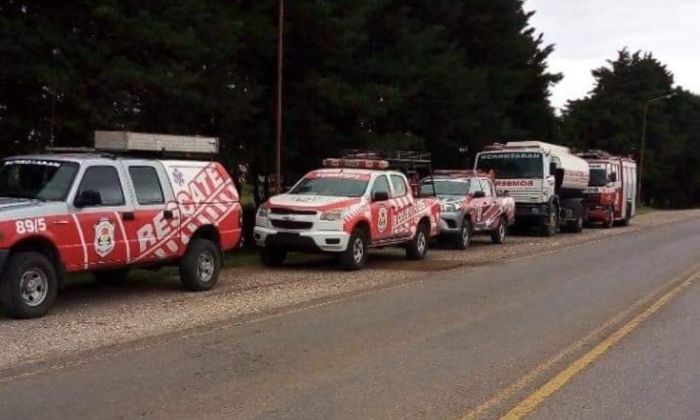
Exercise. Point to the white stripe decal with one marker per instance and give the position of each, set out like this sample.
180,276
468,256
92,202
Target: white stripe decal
82,241
126,239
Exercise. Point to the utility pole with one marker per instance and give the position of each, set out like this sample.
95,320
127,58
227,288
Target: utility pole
644,140
280,78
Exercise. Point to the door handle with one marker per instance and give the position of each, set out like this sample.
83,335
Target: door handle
168,215
128,216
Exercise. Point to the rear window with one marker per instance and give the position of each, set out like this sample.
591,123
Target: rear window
146,185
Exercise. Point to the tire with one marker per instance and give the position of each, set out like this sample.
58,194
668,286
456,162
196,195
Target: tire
576,226
498,235
417,248
355,255
464,239
111,276
201,265
610,220
29,285
628,217
273,257
550,229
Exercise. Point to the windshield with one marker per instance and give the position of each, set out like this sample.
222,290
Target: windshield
599,178
512,165
331,186
36,179
445,187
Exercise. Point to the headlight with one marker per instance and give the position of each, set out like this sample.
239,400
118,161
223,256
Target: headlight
448,207
263,211
332,216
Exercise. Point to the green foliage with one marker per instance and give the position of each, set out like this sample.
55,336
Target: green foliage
610,118
436,75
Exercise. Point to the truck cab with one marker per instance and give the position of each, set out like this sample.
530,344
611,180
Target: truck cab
545,180
106,214
612,191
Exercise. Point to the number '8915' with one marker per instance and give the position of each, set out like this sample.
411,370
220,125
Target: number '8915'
30,226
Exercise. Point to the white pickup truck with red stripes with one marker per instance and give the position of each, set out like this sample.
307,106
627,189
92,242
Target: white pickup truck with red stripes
62,213
344,209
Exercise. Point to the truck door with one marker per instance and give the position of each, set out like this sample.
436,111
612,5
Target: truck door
154,231
405,210
490,207
382,210
100,210
478,202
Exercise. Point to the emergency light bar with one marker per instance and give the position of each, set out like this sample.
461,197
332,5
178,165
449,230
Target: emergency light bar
356,163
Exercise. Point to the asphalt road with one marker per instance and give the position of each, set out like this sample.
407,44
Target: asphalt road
471,341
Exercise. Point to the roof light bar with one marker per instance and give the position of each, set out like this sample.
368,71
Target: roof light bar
356,163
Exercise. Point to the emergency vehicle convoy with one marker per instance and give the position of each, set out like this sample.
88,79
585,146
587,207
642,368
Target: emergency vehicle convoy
106,213
351,205
469,204
611,195
547,182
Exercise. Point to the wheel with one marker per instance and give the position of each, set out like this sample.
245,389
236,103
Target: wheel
576,226
609,219
628,216
201,265
29,285
111,276
273,257
355,255
417,248
552,223
498,235
464,239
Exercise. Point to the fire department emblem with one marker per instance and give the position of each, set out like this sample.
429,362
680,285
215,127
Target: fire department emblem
383,219
104,237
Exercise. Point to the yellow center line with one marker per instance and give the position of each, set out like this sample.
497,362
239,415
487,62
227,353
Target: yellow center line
529,404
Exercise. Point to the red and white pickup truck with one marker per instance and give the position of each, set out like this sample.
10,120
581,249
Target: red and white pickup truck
64,213
344,209
470,205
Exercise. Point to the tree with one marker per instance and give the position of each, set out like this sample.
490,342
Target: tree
610,118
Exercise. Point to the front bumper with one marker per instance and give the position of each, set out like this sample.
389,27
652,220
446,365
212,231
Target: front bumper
308,241
597,213
532,214
450,223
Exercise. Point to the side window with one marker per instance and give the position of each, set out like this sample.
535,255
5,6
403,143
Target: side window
474,186
381,185
105,180
146,185
399,184
486,187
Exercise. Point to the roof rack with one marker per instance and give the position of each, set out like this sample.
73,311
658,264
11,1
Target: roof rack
595,154
460,173
404,160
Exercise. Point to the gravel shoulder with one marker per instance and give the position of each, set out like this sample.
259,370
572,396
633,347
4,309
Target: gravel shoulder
90,315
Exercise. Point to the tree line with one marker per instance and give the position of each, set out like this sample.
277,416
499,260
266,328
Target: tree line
443,76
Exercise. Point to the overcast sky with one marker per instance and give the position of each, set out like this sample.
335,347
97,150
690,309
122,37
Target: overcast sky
588,32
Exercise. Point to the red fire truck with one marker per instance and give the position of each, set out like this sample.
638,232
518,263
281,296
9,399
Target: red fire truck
612,192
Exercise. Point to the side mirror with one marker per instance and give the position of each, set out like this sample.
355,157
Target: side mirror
88,198
552,168
502,193
479,194
380,196
612,177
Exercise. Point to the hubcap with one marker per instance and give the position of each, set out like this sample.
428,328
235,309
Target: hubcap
358,250
465,236
205,267
33,287
421,242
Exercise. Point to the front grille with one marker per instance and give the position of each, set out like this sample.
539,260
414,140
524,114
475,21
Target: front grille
284,211
291,224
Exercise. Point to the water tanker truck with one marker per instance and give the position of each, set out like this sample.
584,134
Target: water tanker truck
546,181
